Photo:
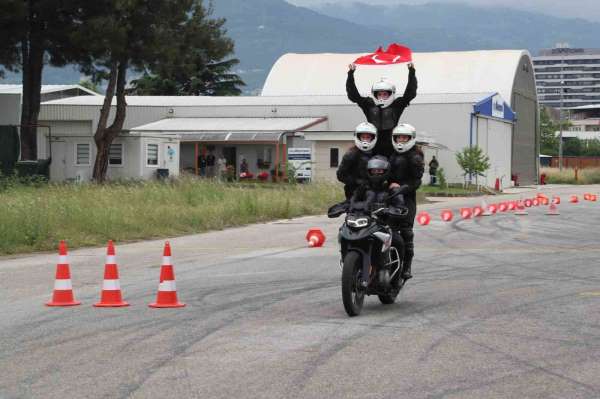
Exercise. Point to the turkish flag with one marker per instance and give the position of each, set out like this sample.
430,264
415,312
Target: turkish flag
395,54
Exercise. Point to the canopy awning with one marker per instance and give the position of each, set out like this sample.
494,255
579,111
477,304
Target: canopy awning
228,129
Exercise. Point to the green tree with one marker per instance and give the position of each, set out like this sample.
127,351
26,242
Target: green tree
573,147
130,35
34,33
591,148
196,65
549,139
88,84
473,162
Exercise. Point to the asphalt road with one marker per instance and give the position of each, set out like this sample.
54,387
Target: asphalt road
500,307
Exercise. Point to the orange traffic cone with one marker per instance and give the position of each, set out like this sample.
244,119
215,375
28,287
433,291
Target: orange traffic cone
423,218
63,290
167,292
586,197
503,206
593,197
512,205
574,199
477,211
521,211
315,237
528,203
556,200
466,213
111,288
447,215
552,210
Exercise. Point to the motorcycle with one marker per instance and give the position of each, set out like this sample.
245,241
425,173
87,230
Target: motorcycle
370,263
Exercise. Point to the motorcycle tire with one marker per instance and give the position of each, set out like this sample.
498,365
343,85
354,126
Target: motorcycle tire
353,295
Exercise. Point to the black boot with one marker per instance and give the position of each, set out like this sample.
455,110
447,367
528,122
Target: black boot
409,252
407,272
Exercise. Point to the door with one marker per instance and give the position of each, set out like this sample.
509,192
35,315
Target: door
230,156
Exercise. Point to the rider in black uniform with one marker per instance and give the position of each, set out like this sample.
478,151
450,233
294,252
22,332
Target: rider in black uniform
407,166
383,110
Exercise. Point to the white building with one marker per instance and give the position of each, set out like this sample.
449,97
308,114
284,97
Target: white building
464,98
575,70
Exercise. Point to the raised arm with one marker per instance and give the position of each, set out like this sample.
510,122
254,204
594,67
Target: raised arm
411,89
351,90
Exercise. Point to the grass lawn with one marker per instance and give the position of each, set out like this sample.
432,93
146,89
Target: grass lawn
34,218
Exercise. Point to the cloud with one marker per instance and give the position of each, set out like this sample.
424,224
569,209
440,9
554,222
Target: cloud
586,9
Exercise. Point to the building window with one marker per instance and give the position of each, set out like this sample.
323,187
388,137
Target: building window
334,156
82,153
115,155
151,154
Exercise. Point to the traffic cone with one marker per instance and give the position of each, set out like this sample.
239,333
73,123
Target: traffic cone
574,199
556,200
111,288
315,237
167,292
521,211
593,197
423,218
447,215
466,213
545,201
503,207
552,210
586,197
63,289
477,211
512,205
528,203
535,202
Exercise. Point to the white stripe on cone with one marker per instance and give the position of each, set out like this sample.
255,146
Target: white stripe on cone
111,285
166,261
110,260
167,285
62,260
63,285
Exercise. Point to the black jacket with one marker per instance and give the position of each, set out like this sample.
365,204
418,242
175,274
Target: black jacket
353,168
384,119
407,169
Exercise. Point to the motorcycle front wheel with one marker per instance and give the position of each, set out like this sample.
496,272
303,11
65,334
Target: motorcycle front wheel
353,295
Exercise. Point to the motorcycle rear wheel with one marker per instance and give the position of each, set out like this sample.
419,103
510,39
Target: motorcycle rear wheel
353,295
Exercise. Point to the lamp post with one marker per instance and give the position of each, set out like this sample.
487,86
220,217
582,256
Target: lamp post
560,135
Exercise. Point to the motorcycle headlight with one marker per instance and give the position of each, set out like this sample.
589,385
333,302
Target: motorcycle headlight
357,223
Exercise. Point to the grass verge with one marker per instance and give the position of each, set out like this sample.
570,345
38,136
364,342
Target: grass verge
567,176
36,218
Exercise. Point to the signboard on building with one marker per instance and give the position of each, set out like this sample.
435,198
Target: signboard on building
300,159
497,107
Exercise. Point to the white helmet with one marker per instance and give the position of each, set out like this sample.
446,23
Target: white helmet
383,85
404,129
367,128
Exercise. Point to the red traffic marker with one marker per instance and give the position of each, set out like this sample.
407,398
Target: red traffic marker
493,208
556,200
477,211
111,287
528,203
315,237
447,215
423,218
574,199
503,207
167,290
63,289
586,197
512,205
536,202
593,197
466,213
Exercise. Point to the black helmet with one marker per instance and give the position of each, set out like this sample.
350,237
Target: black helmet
378,170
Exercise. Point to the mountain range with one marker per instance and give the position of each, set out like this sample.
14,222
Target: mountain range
263,30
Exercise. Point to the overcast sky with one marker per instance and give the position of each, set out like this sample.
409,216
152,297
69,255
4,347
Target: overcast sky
588,9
